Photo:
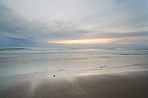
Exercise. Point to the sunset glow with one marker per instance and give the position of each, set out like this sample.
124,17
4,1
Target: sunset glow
84,41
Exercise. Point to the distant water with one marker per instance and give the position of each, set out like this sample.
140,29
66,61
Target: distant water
34,50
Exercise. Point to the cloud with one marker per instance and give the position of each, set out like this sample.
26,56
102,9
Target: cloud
120,35
22,40
35,22
16,30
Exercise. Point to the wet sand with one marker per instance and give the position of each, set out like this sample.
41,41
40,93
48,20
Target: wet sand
131,85
70,75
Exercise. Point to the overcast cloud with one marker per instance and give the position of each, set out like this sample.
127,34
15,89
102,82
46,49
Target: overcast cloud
34,22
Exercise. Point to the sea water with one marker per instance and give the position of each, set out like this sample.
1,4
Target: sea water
28,60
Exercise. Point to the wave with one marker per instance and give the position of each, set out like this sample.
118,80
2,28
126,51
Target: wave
25,50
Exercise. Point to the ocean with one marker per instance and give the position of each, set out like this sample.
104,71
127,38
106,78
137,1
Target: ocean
35,50
26,60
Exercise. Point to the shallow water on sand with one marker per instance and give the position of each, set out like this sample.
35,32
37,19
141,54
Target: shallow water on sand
71,63
73,73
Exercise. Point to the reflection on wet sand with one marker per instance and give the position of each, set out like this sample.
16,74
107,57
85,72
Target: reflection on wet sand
71,75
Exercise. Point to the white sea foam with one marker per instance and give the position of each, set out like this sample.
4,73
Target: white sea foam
29,50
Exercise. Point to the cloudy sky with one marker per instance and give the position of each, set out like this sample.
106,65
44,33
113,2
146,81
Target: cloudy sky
48,22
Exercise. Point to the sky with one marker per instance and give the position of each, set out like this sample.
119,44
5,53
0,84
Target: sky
69,22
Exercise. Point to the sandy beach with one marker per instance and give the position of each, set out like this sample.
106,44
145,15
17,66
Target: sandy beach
74,75
133,85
